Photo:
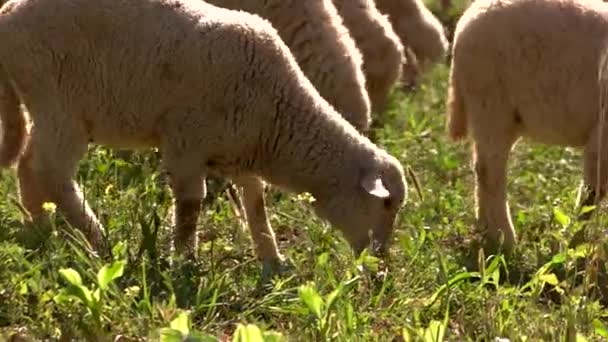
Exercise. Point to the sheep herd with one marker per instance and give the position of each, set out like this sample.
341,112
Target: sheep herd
284,92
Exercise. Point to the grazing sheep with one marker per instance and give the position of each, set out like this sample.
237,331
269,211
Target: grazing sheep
217,91
382,51
323,48
527,68
417,28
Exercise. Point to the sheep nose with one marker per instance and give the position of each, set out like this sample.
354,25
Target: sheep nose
379,247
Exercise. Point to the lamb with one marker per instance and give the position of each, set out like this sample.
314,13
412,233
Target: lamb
325,50
527,68
322,46
382,51
418,29
216,91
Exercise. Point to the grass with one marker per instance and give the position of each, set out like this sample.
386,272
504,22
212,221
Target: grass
430,288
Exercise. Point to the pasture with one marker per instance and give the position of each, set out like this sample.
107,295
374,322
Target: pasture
434,286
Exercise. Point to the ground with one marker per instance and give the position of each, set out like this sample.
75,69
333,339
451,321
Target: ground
434,286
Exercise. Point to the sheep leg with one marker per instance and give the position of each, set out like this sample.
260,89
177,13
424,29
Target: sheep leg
252,189
181,159
188,192
490,160
45,172
592,192
30,191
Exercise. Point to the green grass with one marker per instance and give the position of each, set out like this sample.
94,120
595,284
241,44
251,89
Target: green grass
431,286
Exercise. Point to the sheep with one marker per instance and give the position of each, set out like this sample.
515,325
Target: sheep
418,29
322,46
527,68
382,51
216,91
325,51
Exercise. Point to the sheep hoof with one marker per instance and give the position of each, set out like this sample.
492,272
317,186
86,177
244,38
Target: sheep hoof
273,267
499,247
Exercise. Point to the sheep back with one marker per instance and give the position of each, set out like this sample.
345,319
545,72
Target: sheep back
532,63
382,51
417,28
323,48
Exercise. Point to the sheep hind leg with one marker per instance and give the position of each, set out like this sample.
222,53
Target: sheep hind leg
31,193
252,193
592,193
46,171
490,163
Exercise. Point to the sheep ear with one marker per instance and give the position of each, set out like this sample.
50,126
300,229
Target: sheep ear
374,186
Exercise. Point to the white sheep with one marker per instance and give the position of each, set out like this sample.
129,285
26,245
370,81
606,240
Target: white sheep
526,68
382,51
418,29
323,48
217,91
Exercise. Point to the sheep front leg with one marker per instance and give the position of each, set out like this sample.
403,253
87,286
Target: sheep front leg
252,193
490,160
45,172
181,156
188,192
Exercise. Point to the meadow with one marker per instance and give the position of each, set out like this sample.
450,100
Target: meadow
435,285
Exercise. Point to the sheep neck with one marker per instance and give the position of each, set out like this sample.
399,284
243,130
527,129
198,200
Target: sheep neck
312,149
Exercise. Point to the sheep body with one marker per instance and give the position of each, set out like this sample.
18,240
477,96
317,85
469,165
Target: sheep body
323,48
381,49
217,91
526,68
417,28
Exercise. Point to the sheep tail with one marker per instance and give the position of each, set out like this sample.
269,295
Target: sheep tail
13,123
456,114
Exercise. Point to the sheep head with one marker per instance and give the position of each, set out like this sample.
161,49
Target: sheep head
365,207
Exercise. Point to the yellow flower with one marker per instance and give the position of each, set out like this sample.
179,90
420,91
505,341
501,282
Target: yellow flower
49,207
305,197
132,291
108,189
